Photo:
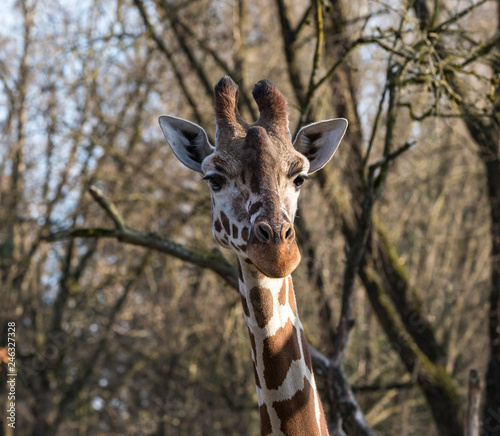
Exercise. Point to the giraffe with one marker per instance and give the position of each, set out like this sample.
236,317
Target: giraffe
254,173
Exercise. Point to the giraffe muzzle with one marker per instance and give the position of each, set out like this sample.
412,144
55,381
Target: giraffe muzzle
273,249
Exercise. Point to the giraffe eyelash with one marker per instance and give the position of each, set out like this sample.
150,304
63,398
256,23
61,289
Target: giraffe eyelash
216,181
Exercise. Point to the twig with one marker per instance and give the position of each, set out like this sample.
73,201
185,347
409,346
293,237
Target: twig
413,115
303,20
289,38
318,15
392,86
108,207
392,156
374,129
366,17
333,68
457,17
313,87
163,49
482,50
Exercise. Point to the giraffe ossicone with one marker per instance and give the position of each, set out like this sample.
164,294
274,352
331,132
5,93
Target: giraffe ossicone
255,172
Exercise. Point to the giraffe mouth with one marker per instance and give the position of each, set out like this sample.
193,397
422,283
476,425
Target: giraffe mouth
274,260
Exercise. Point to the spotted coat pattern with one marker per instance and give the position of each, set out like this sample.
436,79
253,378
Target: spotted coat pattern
286,389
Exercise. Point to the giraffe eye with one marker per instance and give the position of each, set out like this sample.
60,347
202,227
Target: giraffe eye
216,181
299,180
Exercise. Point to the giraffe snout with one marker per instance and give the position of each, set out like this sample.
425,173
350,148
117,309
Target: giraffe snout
272,248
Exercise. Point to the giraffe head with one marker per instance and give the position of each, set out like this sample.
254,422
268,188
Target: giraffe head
255,172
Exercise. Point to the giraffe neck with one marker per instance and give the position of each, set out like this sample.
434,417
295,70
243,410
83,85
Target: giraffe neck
286,390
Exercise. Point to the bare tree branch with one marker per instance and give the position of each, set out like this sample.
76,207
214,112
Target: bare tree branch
163,49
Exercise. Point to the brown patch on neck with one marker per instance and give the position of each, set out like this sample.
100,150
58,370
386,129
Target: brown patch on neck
262,303
245,306
217,225
225,222
252,343
298,415
279,352
265,421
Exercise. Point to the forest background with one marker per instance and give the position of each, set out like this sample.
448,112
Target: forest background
127,320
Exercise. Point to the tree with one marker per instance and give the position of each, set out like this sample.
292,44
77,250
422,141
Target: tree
106,265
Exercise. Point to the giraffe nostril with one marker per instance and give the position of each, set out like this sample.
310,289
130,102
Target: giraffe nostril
288,233
264,233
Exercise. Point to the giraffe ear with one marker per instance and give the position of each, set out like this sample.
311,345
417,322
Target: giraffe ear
188,141
319,141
